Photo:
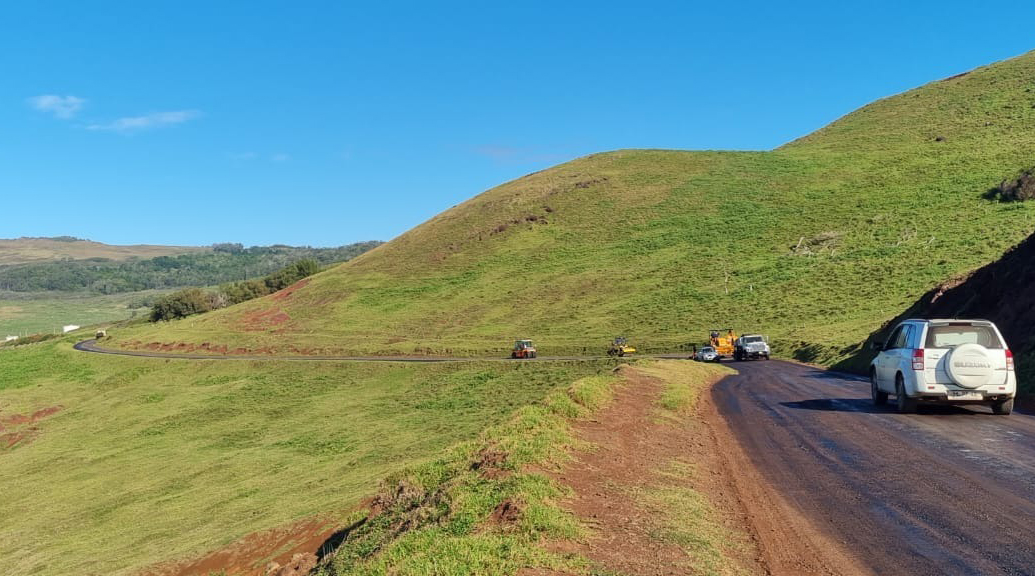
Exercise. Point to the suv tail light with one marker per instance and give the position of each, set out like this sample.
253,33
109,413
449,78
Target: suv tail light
1009,360
918,359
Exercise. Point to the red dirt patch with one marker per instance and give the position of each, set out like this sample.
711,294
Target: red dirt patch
291,548
22,426
630,448
508,512
264,320
491,463
19,419
300,565
287,292
9,439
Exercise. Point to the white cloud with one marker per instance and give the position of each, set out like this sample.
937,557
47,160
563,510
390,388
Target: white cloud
280,157
147,121
59,106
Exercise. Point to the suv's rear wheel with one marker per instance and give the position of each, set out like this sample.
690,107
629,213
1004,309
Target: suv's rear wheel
905,403
1004,407
880,397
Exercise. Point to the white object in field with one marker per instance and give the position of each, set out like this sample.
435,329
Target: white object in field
69,328
10,338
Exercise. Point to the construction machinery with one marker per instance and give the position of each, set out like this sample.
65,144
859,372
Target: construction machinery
751,347
523,349
620,347
725,344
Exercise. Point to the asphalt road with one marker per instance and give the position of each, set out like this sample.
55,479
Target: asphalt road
947,491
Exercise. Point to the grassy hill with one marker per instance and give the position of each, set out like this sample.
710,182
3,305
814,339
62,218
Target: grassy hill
816,243
27,250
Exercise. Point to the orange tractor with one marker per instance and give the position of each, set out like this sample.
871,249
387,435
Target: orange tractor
523,349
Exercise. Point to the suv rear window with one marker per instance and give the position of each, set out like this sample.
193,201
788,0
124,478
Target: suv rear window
952,335
752,339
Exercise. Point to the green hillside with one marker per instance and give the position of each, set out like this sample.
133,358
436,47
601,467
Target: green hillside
818,242
111,464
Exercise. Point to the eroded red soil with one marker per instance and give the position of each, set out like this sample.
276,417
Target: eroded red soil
293,548
290,290
20,429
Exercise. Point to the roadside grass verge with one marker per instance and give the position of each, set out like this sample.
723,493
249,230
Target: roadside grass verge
149,460
684,382
682,515
487,507
483,508
686,518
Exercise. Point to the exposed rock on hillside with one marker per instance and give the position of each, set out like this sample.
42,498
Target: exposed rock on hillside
1018,190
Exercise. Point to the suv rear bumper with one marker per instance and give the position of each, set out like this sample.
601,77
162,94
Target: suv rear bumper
928,399
919,388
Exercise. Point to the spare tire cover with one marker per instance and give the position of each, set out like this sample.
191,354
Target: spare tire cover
970,365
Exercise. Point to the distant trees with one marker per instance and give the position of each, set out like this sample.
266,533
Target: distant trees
237,292
197,301
228,247
227,262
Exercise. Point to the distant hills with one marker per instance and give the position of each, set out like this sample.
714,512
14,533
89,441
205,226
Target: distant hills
26,250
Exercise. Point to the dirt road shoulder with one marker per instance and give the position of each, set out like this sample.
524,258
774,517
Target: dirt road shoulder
665,489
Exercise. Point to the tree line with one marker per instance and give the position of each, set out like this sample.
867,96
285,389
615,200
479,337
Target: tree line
225,263
193,301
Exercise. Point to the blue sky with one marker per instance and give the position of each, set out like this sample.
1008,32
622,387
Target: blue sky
324,123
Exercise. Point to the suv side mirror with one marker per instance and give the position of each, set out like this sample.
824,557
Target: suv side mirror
878,345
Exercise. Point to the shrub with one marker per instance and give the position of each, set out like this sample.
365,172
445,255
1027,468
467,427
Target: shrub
182,304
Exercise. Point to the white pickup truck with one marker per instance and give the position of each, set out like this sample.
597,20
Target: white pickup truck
751,347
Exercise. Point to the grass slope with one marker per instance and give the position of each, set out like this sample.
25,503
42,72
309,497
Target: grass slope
437,518
149,460
27,250
819,241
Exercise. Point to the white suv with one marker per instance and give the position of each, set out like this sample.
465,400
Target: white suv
944,361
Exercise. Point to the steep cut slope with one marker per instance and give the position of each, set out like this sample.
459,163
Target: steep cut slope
819,241
1001,292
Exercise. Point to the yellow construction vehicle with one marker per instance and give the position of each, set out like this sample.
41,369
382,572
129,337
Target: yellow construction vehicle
620,347
725,344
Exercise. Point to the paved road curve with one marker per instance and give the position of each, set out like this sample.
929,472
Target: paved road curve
947,491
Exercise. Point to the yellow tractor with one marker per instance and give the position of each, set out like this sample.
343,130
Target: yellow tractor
725,344
620,347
